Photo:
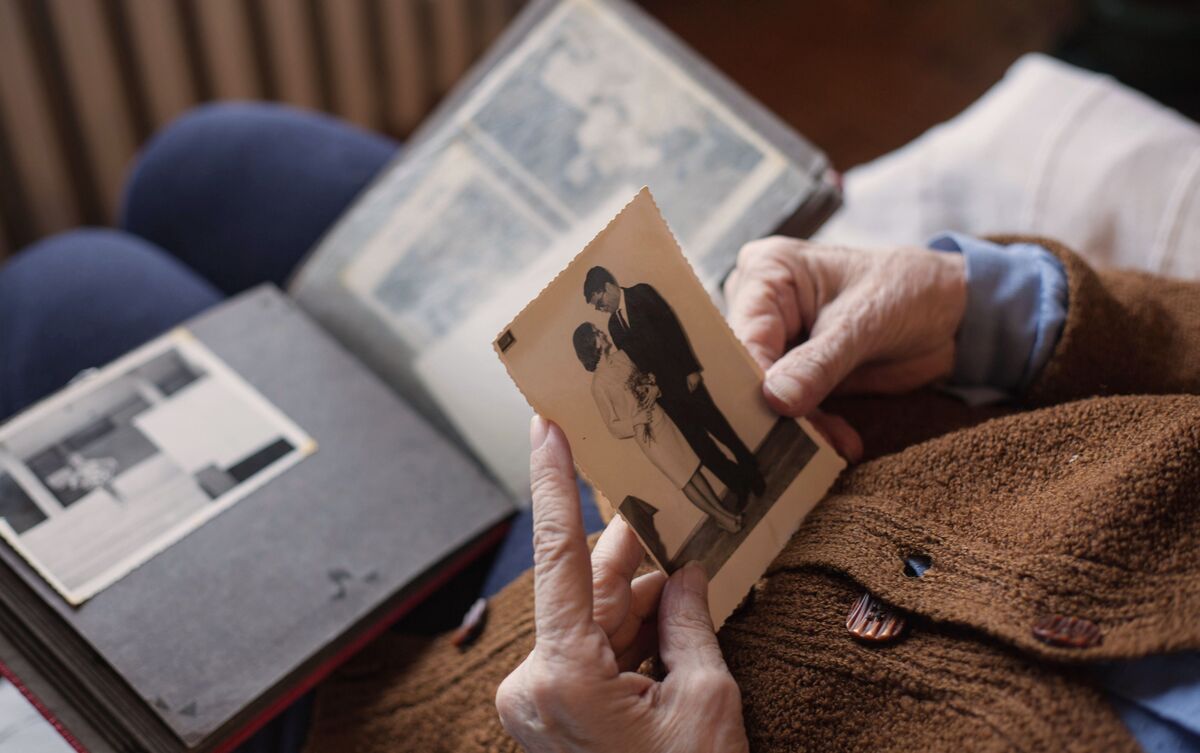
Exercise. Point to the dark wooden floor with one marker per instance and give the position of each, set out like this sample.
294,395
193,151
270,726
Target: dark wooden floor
862,77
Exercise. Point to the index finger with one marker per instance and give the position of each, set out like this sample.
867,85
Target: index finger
766,299
562,573
760,320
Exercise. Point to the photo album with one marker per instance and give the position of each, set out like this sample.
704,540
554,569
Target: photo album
195,534
578,106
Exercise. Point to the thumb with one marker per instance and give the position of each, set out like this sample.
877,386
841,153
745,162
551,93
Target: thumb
801,380
686,637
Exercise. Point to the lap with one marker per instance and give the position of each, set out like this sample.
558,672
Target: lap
236,193
228,197
241,191
80,299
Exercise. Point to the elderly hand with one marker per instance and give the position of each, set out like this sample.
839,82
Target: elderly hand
866,321
576,691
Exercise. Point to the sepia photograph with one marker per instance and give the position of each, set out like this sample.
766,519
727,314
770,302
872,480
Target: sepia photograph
129,459
663,406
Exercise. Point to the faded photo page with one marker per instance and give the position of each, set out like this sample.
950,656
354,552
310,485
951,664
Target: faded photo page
663,407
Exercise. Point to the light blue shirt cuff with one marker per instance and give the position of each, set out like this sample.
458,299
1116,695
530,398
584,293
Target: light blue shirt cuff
1016,308
1158,698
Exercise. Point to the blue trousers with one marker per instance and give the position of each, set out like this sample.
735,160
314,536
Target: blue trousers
227,197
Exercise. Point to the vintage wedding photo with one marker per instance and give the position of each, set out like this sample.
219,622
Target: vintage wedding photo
128,460
663,406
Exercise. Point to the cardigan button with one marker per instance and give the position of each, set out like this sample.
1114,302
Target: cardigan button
1067,632
872,620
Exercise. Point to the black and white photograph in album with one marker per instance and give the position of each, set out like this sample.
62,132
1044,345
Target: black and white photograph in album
127,460
663,407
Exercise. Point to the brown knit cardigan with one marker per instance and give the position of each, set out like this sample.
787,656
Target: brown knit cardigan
1083,501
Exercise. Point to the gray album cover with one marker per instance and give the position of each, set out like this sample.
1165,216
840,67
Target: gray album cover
309,499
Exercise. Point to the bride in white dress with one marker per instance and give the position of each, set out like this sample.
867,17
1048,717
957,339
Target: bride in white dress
627,399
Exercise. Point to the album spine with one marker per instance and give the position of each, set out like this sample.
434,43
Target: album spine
41,708
356,644
322,670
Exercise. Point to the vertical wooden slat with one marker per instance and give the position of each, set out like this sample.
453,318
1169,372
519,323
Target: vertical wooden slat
16,225
51,76
117,26
193,49
474,23
452,31
264,66
493,17
225,37
320,48
375,43
514,7
6,246
95,86
350,61
39,164
406,82
156,33
290,46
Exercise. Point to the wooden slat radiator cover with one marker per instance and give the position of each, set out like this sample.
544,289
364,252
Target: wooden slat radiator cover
84,82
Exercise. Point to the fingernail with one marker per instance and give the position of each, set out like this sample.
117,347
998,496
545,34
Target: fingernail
539,429
694,580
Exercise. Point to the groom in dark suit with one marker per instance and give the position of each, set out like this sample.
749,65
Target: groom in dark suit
643,325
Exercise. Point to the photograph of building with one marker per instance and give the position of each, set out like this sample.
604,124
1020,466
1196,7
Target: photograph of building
122,464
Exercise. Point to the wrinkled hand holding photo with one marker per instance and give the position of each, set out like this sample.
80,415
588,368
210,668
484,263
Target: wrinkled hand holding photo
578,690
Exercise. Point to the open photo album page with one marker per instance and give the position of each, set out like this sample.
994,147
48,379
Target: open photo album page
583,111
